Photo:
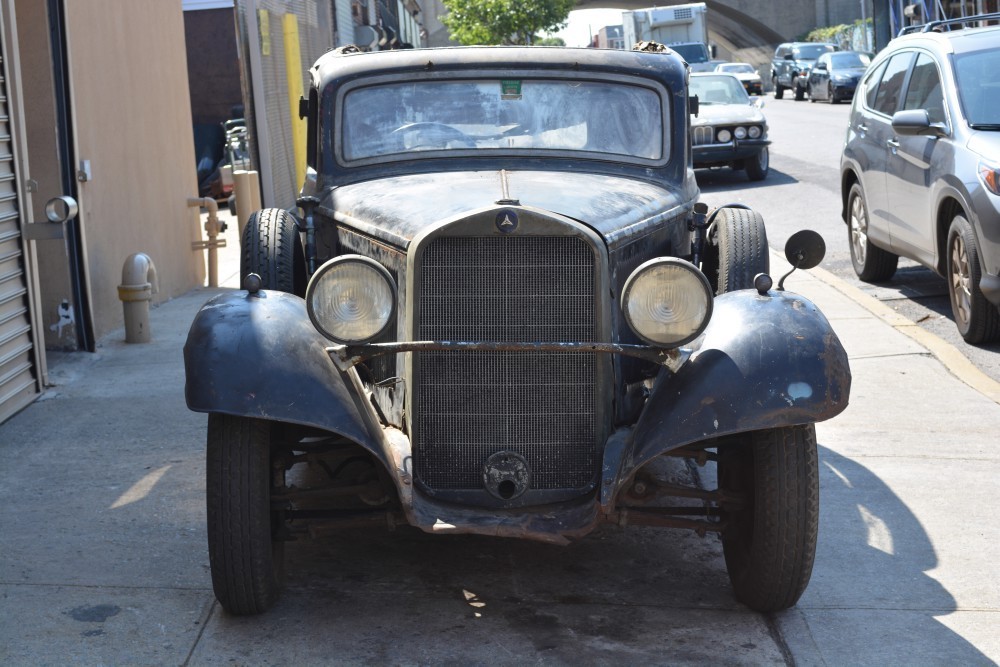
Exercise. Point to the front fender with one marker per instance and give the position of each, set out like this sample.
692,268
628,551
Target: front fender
765,361
258,355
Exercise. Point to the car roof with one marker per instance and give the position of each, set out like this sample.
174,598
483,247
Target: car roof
340,66
952,41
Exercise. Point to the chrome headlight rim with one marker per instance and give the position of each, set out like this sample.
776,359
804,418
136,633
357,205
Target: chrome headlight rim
642,271
755,132
724,136
740,132
336,263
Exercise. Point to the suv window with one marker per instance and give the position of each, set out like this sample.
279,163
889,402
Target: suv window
977,76
811,52
871,85
924,91
891,86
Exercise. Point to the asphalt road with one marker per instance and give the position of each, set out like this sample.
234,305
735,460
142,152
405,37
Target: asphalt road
803,191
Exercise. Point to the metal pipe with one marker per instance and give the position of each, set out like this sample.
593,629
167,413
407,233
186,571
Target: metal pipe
242,186
213,228
139,283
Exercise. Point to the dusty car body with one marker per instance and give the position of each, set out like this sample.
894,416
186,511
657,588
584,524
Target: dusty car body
729,129
514,305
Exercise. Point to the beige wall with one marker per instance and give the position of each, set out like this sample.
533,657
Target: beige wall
132,120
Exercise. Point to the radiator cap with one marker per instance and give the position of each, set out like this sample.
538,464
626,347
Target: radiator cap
506,475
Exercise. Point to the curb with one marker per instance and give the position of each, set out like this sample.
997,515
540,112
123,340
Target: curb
950,356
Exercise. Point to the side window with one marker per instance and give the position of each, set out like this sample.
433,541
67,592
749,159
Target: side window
824,60
891,87
924,91
871,85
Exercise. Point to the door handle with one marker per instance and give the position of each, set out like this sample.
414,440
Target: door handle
893,144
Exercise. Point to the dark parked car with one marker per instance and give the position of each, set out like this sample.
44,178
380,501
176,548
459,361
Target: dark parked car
835,76
729,129
498,304
791,65
920,173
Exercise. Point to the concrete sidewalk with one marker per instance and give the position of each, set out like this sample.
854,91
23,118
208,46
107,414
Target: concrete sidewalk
103,557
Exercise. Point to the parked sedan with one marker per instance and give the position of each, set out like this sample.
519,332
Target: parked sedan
835,76
920,175
745,73
729,129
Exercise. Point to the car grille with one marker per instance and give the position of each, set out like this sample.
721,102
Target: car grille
701,136
470,405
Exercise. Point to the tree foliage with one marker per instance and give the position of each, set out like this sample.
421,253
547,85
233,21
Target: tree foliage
504,21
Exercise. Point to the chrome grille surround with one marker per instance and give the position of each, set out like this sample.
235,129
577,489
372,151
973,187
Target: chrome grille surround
549,408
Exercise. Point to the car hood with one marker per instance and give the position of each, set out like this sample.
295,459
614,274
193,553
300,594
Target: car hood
985,144
853,72
397,208
715,114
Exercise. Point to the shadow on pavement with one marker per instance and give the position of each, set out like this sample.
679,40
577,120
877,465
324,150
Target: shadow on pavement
871,599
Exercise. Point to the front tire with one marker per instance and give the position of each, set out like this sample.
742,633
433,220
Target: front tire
758,166
830,96
977,319
800,90
736,250
769,542
779,90
247,562
812,95
272,248
871,264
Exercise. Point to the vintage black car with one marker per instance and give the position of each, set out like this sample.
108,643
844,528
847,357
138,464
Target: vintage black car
498,302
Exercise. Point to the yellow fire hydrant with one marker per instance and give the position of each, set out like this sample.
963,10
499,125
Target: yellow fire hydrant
139,283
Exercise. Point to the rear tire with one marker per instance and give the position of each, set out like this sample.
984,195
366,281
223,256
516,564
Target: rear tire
248,564
800,91
741,243
272,248
977,319
871,264
770,539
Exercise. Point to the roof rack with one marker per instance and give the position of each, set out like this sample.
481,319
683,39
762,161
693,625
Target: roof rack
946,24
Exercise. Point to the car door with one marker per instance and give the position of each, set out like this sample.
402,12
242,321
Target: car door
870,134
818,78
912,164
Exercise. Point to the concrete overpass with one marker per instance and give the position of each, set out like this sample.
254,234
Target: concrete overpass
748,30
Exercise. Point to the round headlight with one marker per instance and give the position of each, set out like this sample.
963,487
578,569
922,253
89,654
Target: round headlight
741,132
754,131
724,136
667,302
351,299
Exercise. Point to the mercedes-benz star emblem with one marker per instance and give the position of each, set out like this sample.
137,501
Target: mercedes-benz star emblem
506,221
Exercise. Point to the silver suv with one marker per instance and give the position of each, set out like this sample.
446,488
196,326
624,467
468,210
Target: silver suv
920,172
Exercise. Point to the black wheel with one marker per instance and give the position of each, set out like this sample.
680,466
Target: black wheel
779,90
800,90
812,96
247,563
830,97
769,542
736,250
757,167
871,263
272,248
977,319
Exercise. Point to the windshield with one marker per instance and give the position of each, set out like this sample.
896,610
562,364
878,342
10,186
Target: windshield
736,68
720,89
692,53
849,60
977,75
811,52
502,115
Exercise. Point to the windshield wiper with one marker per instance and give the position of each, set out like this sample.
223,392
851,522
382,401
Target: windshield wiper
985,126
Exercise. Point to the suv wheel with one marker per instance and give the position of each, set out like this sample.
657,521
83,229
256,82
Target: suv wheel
247,562
770,538
800,90
736,250
758,165
977,319
272,248
779,90
872,264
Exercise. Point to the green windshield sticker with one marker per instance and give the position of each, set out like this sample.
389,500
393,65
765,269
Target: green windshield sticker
510,89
